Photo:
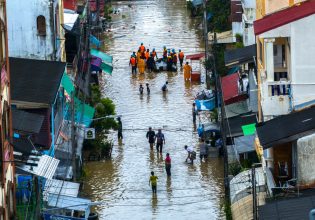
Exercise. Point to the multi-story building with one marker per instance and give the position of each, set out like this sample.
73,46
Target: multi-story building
36,33
7,198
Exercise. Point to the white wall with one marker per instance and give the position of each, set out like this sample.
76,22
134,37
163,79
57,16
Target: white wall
22,29
306,160
302,60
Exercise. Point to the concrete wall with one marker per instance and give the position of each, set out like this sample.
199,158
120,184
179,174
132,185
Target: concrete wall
306,160
302,60
22,29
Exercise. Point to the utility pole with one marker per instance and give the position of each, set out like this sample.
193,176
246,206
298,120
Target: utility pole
73,137
205,26
87,60
254,193
219,96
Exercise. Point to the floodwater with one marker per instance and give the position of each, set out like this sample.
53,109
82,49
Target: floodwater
121,184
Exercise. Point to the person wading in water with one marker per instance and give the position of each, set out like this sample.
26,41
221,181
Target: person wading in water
151,137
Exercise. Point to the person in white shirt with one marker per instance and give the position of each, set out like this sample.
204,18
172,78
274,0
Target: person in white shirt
191,154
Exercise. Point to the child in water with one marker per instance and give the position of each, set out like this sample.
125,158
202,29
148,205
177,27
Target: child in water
148,88
164,87
141,89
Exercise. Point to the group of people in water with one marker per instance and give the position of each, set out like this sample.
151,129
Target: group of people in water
144,58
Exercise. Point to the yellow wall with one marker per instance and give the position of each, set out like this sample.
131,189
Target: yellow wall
264,7
62,32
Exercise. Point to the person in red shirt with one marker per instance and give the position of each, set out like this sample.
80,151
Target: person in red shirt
168,164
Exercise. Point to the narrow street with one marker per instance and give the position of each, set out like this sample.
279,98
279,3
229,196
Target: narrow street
193,191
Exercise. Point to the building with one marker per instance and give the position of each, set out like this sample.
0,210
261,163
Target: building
248,18
285,68
36,33
7,189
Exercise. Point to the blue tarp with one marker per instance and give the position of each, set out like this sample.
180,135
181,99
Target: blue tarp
197,2
207,128
205,105
95,41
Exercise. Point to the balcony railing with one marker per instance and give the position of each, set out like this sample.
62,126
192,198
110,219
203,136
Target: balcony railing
279,88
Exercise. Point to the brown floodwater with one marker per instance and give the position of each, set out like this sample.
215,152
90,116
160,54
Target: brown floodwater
121,183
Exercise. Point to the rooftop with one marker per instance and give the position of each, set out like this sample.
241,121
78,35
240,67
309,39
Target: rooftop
35,81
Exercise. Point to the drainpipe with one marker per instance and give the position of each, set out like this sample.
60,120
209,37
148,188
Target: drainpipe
53,28
52,149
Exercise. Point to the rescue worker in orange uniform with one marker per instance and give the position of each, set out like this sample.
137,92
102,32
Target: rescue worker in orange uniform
138,55
187,71
181,57
154,54
141,65
133,63
164,53
147,54
142,48
175,58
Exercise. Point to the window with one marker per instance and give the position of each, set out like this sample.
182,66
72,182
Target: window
41,25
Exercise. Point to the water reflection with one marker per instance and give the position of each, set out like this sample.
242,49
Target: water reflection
122,182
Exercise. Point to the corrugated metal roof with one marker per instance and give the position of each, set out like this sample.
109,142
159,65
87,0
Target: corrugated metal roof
35,81
230,90
286,128
68,202
46,167
60,187
244,144
235,109
239,56
26,122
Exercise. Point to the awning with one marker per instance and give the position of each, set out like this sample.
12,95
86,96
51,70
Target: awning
46,167
208,128
60,187
234,125
235,109
244,144
26,122
23,147
230,89
68,202
96,63
107,60
286,128
83,112
205,105
67,84
69,18
197,56
240,56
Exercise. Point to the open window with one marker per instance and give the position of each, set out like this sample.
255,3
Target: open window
41,25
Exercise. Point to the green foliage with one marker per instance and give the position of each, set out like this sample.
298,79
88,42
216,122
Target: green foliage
220,10
234,168
239,45
214,115
103,107
218,52
227,210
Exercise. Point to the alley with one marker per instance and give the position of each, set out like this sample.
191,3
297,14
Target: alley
193,191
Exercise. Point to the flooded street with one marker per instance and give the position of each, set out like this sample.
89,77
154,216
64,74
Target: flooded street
122,183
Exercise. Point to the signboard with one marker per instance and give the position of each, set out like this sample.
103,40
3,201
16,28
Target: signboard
89,133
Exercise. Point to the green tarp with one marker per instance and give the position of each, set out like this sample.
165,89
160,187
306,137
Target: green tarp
249,129
67,83
107,68
107,60
105,57
88,112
